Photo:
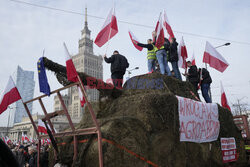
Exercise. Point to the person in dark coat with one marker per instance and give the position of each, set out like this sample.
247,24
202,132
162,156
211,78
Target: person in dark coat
193,75
206,80
21,156
32,156
119,64
173,58
45,157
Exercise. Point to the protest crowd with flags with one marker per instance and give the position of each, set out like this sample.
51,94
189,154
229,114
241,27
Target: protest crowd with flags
162,50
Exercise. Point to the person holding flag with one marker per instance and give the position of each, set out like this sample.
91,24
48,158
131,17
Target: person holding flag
151,55
119,63
162,44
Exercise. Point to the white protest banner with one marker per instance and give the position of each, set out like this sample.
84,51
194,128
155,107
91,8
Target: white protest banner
198,121
228,148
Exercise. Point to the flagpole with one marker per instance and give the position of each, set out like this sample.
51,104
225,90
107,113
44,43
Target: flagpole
43,52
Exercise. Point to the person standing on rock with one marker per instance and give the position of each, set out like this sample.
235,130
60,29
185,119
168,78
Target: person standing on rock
206,80
119,64
173,58
192,75
161,55
151,55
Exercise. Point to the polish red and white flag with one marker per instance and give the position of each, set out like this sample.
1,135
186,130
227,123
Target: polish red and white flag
214,58
23,137
72,75
182,54
82,99
193,60
159,34
71,70
109,29
26,139
10,95
7,140
41,127
224,102
134,40
48,141
166,24
156,27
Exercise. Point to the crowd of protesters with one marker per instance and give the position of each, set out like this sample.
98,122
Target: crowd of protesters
158,59
26,154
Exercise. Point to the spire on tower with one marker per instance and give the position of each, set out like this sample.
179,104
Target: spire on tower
86,21
86,31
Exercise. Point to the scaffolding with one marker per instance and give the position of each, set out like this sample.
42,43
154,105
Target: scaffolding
73,132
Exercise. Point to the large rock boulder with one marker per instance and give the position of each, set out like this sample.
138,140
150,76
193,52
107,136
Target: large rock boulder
141,128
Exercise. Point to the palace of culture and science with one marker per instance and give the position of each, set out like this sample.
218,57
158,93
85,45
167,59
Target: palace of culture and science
85,61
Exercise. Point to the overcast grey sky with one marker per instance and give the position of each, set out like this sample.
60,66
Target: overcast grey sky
26,30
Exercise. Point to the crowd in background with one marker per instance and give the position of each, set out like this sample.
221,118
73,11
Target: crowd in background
26,154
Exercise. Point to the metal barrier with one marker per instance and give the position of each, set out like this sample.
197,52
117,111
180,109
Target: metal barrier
73,132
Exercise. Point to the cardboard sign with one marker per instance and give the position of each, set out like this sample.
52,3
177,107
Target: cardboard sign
228,148
198,121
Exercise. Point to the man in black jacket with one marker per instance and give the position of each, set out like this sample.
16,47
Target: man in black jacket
119,63
206,80
32,156
173,58
193,75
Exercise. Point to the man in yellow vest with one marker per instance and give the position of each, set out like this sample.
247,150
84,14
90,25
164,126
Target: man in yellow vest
151,55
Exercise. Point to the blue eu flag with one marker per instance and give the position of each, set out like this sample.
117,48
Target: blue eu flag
43,81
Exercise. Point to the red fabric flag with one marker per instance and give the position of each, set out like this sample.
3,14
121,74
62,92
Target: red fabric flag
167,25
7,140
193,60
159,34
23,137
41,127
214,58
156,27
72,74
182,54
71,70
82,99
109,29
10,95
134,39
224,102
26,139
